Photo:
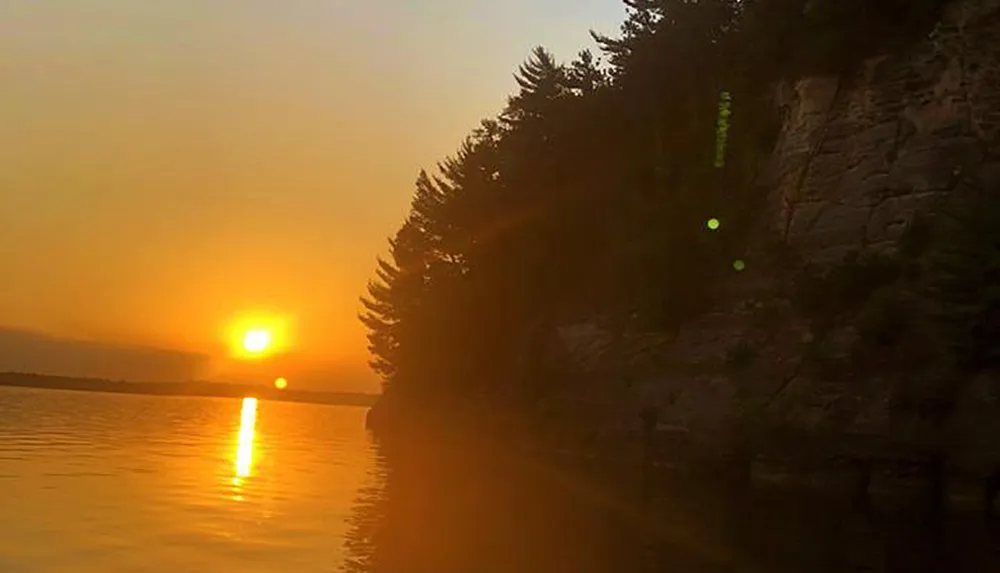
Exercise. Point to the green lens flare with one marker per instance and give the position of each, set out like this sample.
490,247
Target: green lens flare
713,224
739,265
722,128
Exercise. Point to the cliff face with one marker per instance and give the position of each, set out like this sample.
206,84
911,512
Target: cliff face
857,157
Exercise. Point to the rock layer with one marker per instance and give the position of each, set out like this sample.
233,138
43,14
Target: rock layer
857,157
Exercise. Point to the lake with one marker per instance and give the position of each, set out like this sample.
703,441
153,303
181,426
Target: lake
96,482
109,482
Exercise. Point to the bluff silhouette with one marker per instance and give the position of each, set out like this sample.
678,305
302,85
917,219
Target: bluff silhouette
764,228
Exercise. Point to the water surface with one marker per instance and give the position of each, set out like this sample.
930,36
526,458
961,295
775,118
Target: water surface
95,482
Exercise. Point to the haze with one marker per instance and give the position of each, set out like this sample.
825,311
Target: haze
167,166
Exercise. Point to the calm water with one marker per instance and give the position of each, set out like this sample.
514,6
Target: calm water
105,482
115,483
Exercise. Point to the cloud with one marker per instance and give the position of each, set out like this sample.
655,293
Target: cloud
25,351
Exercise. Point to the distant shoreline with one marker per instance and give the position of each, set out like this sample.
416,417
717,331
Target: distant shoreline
191,389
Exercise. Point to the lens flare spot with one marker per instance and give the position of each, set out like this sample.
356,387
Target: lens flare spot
739,265
713,224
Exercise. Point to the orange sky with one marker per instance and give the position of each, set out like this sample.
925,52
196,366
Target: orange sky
166,166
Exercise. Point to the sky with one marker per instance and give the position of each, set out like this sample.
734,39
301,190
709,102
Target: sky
171,169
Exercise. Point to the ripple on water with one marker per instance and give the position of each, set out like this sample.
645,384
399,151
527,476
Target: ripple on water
98,482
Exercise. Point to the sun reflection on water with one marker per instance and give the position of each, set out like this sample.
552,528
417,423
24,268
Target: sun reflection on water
244,447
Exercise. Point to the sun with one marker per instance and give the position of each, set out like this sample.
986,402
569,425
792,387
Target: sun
281,383
256,341
258,335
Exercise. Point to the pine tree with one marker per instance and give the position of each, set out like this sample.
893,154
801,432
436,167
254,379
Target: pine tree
588,194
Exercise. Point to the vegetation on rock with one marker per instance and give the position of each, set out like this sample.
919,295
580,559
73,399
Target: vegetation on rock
588,195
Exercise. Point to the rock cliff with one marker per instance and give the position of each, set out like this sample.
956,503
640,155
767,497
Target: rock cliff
857,158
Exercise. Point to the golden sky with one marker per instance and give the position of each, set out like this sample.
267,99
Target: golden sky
166,167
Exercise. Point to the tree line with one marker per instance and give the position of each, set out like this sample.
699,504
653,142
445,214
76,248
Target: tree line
618,185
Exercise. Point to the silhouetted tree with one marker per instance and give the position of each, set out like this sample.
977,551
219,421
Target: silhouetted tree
588,194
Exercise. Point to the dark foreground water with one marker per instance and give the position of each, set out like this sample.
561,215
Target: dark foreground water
117,483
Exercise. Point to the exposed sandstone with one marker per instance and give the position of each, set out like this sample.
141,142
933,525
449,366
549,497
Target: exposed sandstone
856,159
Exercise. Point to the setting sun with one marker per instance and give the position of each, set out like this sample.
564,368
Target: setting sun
281,383
256,341
258,335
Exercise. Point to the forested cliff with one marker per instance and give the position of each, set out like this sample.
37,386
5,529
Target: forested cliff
760,222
